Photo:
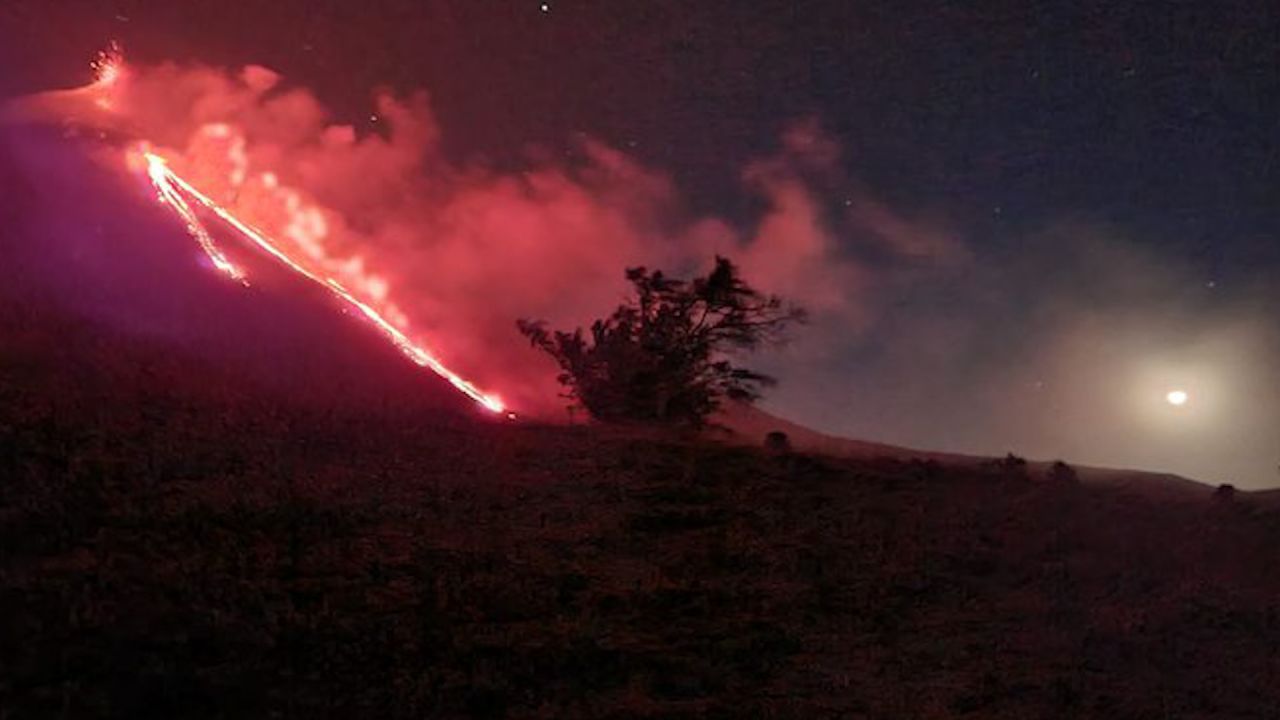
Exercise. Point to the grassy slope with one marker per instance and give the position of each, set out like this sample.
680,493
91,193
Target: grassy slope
751,425
177,545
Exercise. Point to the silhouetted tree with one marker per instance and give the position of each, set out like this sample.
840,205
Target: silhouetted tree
660,357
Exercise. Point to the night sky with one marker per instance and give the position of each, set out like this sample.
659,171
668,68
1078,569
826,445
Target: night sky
1110,168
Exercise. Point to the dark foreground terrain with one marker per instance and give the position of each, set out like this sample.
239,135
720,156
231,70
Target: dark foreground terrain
178,544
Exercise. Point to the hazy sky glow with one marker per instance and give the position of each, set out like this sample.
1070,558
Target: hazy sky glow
1017,229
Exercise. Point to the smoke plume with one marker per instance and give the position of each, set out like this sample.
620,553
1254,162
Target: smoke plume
457,251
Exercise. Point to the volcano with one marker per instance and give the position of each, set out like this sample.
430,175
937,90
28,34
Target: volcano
223,501
86,242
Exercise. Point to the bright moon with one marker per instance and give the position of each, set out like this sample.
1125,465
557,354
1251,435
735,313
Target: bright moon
1176,397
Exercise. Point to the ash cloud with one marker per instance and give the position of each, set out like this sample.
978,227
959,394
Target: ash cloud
460,250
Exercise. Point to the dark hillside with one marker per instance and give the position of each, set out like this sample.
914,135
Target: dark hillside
188,547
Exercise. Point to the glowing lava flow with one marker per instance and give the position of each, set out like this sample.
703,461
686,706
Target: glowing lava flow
171,189
163,179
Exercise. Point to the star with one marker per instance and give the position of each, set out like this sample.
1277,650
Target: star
545,7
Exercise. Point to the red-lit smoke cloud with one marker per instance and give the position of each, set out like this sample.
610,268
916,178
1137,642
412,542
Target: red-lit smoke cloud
459,251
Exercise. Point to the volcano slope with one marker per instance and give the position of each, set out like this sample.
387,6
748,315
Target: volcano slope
185,537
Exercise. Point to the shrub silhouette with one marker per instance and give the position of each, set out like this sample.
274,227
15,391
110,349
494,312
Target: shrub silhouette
1225,492
660,357
777,441
1062,473
1011,466
1013,462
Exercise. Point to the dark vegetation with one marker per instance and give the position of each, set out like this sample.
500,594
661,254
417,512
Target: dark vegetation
660,358
1061,472
777,441
177,544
